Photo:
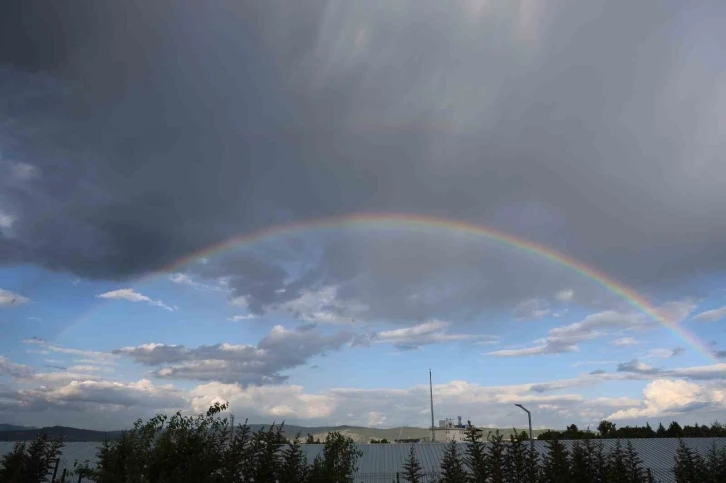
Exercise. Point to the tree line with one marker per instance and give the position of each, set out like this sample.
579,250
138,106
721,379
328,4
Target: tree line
206,449
587,461
608,430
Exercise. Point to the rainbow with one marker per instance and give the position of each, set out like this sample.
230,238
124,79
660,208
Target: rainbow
404,220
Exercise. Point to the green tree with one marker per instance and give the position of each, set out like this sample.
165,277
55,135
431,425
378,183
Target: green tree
294,466
496,457
661,431
556,465
605,428
30,463
689,466
516,457
265,450
412,471
583,462
634,465
475,457
674,430
452,470
339,461
617,469
715,464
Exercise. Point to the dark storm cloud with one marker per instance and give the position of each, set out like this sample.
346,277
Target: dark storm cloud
156,129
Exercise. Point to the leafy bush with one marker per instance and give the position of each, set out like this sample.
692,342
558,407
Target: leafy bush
205,449
30,463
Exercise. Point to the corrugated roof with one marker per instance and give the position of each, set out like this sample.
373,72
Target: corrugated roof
383,461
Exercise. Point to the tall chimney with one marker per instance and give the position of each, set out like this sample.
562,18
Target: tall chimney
431,392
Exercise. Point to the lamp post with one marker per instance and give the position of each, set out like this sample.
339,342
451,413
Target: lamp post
529,417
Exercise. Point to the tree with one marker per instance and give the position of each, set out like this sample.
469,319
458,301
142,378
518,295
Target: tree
617,469
294,467
265,450
583,463
312,440
661,431
496,457
339,462
516,457
475,454
412,471
689,467
674,430
715,465
556,465
605,428
452,471
30,463
634,465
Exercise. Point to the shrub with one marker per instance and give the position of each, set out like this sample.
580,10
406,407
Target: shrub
30,463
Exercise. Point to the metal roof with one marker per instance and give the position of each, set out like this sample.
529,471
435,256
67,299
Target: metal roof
383,461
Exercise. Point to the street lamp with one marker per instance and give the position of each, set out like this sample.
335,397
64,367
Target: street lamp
529,417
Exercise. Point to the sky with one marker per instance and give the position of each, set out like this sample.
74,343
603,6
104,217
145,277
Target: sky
302,207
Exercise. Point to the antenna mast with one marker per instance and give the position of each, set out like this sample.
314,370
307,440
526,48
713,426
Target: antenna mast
431,392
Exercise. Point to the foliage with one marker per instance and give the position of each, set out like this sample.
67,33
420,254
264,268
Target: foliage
379,441
715,465
312,440
30,463
556,467
294,467
496,457
412,471
452,470
475,454
617,469
608,430
205,449
689,467
339,461
518,464
634,465
584,462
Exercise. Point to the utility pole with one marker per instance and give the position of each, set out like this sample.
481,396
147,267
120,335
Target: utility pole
529,417
431,392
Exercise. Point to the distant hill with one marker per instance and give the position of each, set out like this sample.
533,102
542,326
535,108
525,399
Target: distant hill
357,433
14,427
68,434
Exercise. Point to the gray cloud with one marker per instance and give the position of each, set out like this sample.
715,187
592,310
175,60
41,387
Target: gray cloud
10,299
532,309
637,367
566,338
9,368
711,372
263,363
127,146
426,333
713,315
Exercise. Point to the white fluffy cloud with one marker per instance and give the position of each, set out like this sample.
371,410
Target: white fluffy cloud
713,315
10,299
664,397
132,296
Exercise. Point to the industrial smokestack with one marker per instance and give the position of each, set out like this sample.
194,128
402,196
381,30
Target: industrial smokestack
431,392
